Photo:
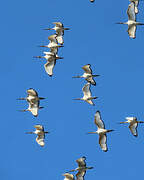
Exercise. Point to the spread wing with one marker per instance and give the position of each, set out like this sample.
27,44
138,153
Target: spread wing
49,67
98,121
87,68
59,39
91,80
52,38
40,140
34,109
131,12
39,127
102,142
133,129
54,50
32,92
132,31
80,175
86,90
81,162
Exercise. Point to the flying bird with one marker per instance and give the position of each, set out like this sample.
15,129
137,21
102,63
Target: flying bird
92,0
101,131
82,168
87,94
40,134
33,100
49,56
59,28
133,124
88,75
68,176
132,23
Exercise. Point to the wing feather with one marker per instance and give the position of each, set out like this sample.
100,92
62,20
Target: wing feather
133,129
103,142
98,121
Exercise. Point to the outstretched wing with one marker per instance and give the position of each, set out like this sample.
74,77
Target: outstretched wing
34,108
59,39
49,67
87,69
91,80
52,38
133,129
131,12
98,121
86,90
80,175
132,31
39,127
81,162
103,142
40,140
32,92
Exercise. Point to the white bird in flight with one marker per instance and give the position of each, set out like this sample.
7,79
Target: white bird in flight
53,42
82,168
101,131
87,94
40,133
49,56
88,75
59,28
133,124
132,24
33,100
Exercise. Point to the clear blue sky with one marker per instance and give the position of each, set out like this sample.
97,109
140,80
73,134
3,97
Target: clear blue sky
94,39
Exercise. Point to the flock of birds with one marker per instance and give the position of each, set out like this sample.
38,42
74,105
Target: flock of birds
56,41
33,99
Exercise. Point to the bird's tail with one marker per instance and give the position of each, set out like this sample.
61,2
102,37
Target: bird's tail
29,133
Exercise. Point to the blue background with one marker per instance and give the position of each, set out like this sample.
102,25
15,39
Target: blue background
94,39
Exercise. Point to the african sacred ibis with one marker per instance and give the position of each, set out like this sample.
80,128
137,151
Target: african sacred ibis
59,28
40,133
87,94
33,100
88,75
133,124
101,131
82,168
49,56
132,24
